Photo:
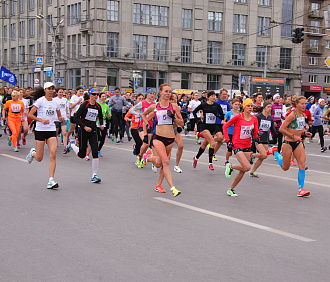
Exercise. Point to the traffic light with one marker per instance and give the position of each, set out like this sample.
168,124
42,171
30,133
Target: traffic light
298,35
131,83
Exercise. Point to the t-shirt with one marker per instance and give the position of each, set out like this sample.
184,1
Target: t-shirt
229,115
105,112
266,124
210,112
46,110
26,103
88,114
75,99
193,105
64,104
15,108
225,106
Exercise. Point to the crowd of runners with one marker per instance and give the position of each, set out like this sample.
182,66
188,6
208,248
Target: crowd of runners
250,127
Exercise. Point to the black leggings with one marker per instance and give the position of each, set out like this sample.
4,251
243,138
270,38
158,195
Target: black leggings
84,137
277,139
137,139
318,129
117,119
101,134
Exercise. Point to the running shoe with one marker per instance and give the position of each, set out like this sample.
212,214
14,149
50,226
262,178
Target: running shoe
5,131
214,158
24,141
141,164
30,157
303,193
175,192
121,141
52,184
153,168
95,179
134,151
15,149
231,193
293,163
145,157
177,169
9,141
64,151
118,140
100,155
160,189
272,150
194,162
211,167
197,139
226,162
87,158
251,158
112,138
307,141
68,147
323,149
18,145
129,138
253,174
228,170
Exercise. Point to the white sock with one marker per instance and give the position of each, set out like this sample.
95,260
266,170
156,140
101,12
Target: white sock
172,188
51,179
75,148
95,166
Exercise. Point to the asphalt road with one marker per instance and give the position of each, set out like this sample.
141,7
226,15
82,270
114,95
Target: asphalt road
122,230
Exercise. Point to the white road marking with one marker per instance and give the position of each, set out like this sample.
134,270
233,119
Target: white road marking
237,220
12,157
323,156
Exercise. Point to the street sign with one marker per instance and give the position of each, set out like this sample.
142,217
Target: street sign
36,69
136,83
49,73
59,80
327,62
48,68
36,81
39,60
243,79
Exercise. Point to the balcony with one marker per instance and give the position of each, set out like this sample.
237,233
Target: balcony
315,50
86,26
316,14
315,31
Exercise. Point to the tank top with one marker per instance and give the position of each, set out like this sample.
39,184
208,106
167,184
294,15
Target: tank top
161,116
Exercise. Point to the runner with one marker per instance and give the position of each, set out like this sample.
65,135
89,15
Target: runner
106,118
75,102
277,116
15,115
318,123
208,126
193,104
165,115
86,117
47,109
292,128
244,123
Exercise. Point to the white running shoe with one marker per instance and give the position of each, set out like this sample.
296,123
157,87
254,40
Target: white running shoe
154,169
177,169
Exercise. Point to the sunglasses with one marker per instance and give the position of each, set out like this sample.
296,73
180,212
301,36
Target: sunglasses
94,93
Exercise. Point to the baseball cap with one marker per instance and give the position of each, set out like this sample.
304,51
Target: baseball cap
48,84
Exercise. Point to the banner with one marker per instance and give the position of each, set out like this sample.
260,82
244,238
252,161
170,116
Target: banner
8,76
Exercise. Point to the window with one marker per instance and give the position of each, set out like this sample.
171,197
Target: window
13,31
151,15
213,82
327,79
112,45
287,84
154,79
260,56
185,50
69,47
74,13
214,21
74,78
31,4
285,58
50,21
313,43
315,7
313,61
12,7
21,55
21,80
13,57
31,79
185,80
140,47
265,2
5,56
21,29
213,53
112,75
327,44
49,52
79,46
32,54
5,33
21,6
240,1
49,2
263,26
238,56
315,27
31,28
160,49
186,18
113,10
312,78
287,17
5,8
240,24
74,46
88,45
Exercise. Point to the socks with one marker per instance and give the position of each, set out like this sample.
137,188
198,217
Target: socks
279,158
75,148
200,152
211,153
95,166
51,179
301,178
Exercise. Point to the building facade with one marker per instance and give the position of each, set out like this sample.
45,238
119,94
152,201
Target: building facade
316,49
190,44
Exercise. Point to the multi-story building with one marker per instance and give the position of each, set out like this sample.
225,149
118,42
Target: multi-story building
316,48
190,44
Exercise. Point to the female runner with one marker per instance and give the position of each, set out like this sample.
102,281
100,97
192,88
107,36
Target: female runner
25,124
165,114
106,120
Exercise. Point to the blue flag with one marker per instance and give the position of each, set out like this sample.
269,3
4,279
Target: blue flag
8,76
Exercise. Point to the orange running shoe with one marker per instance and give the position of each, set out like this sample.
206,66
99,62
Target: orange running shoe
293,163
211,167
160,189
303,193
272,150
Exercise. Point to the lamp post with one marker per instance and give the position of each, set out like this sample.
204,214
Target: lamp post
53,30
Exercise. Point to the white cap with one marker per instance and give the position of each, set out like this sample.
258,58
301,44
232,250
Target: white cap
48,84
276,95
320,100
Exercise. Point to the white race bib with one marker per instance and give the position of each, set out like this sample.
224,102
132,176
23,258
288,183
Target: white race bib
246,131
265,125
50,114
15,108
210,118
137,118
163,118
300,123
278,113
224,109
91,114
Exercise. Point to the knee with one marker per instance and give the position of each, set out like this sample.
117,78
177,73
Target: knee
166,162
285,168
180,146
158,163
52,155
212,144
246,168
263,156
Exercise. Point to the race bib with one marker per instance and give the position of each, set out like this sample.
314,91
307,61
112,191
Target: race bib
50,113
300,123
224,109
210,118
137,118
265,125
246,131
15,108
91,114
62,105
163,118
278,113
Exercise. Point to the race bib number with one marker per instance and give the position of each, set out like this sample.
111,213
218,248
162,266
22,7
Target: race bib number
246,131
137,118
224,109
278,113
210,118
15,108
91,114
265,125
163,118
62,105
301,123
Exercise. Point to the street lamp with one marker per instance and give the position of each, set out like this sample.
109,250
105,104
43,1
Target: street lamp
53,30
